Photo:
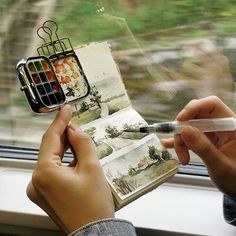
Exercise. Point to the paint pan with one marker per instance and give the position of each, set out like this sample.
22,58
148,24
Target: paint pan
40,84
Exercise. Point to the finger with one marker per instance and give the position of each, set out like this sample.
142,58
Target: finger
73,163
198,142
54,142
168,143
181,150
61,120
82,145
207,107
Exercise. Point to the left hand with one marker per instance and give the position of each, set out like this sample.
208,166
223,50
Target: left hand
71,195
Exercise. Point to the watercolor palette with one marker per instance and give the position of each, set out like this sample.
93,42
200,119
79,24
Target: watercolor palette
45,82
48,83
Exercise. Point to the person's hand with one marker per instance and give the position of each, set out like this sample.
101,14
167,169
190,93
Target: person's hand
71,195
216,149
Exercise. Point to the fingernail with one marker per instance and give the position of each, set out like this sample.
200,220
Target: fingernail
188,134
183,157
181,113
74,127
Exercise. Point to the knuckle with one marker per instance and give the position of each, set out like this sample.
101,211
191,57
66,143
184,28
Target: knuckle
44,137
47,136
214,98
30,193
40,179
178,141
36,178
204,150
85,137
93,166
200,144
203,147
191,104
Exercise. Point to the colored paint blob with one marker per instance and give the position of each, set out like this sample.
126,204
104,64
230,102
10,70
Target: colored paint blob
46,101
55,87
41,89
59,97
38,66
52,98
45,65
43,77
48,88
36,78
50,75
31,68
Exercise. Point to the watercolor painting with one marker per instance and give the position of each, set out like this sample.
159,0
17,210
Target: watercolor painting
131,161
107,92
138,168
107,133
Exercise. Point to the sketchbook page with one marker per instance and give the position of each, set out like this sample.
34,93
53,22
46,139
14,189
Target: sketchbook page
133,163
108,94
138,168
107,133
104,114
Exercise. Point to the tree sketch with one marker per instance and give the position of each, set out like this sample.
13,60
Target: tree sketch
84,106
165,155
91,131
95,96
154,153
112,131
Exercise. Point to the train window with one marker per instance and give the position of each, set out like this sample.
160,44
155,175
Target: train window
168,52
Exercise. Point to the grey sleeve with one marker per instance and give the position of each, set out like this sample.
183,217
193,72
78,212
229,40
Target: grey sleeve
229,209
106,227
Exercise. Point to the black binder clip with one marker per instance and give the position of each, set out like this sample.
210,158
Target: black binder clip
55,77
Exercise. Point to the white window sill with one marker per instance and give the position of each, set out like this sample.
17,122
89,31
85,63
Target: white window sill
185,204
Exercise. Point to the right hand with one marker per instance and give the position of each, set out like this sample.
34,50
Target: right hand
216,149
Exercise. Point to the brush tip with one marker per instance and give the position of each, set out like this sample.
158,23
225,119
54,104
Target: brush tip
130,130
137,130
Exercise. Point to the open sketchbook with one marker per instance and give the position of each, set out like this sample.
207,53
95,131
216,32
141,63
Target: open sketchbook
133,163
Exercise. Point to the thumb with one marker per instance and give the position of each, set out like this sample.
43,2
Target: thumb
83,147
198,142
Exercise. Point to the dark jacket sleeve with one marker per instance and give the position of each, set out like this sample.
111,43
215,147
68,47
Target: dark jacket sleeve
229,208
106,227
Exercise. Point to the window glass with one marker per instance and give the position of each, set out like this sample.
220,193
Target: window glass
168,53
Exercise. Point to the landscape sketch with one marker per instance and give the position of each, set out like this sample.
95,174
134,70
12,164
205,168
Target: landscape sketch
107,133
107,93
138,166
133,162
